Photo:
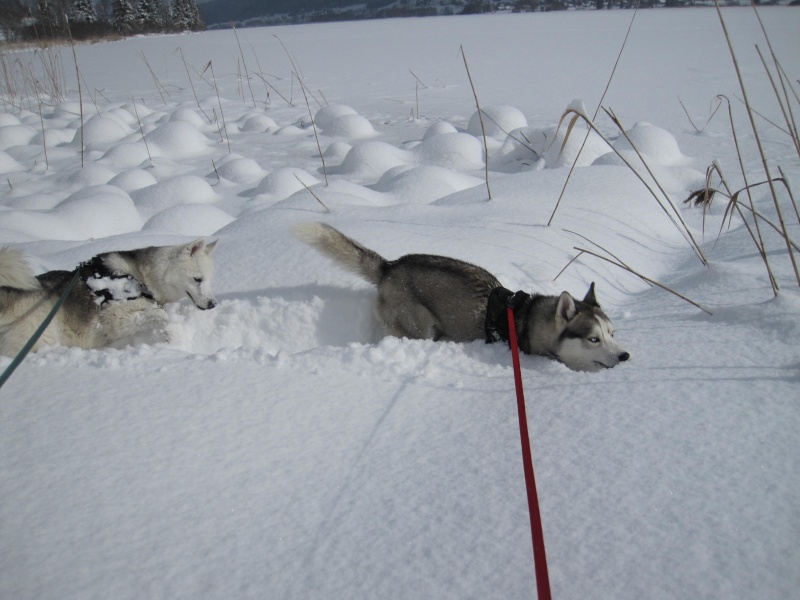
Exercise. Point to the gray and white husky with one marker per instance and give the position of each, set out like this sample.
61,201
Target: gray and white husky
424,296
119,294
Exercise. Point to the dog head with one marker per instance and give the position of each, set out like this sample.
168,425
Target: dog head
188,272
586,335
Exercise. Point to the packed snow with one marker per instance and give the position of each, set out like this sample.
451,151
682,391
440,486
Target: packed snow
280,445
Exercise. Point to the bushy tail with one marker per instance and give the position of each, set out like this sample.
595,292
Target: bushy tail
347,252
15,271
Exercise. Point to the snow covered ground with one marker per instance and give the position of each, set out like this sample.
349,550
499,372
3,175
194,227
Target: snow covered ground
279,446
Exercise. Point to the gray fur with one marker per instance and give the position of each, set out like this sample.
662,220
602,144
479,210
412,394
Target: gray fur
423,296
169,273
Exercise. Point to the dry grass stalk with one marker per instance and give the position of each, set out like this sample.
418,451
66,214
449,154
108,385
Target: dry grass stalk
260,73
310,191
191,84
678,222
760,146
161,89
44,138
684,227
295,68
316,135
480,117
760,241
141,130
637,274
210,66
244,64
239,87
596,112
757,237
688,116
274,89
791,194
788,114
786,109
78,78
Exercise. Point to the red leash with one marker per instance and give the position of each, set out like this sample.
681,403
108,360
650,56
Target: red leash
537,535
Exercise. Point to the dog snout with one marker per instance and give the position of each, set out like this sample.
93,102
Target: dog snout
624,356
208,305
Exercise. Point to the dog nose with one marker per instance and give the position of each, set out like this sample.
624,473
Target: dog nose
213,303
624,356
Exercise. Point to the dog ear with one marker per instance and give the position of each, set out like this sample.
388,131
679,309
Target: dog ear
590,298
196,246
211,247
565,309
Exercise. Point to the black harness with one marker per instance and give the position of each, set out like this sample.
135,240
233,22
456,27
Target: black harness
496,327
108,286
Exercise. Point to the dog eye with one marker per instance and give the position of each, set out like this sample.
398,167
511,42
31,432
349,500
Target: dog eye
198,280
594,340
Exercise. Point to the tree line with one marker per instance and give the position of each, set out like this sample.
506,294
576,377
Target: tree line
82,19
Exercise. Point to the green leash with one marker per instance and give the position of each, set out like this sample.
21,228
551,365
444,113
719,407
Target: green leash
38,333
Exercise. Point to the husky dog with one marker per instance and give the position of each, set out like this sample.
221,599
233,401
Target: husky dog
422,296
119,294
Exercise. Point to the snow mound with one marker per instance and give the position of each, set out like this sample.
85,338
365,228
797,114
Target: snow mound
284,182
189,220
187,115
8,164
498,120
530,143
184,189
8,119
127,155
291,131
327,116
101,129
133,180
439,128
370,160
69,111
458,151
93,212
177,140
15,135
258,124
123,117
335,153
654,142
240,170
350,127
90,175
55,137
99,211
423,184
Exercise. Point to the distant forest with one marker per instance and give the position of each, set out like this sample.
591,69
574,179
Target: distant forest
222,13
81,19
22,20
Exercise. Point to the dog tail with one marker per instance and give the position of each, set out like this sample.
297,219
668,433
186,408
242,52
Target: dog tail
15,271
347,252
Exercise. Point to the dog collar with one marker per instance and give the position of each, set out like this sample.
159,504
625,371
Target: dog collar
496,323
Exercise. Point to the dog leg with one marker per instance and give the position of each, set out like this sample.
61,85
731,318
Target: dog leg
414,322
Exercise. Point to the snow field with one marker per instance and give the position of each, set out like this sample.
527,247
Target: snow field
280,445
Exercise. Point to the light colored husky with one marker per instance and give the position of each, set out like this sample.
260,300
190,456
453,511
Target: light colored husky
118,295
423,296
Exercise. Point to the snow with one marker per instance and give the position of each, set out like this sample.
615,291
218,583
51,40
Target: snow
280,446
